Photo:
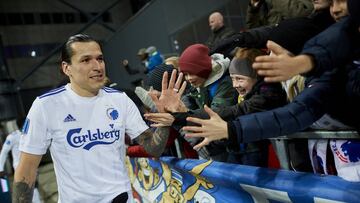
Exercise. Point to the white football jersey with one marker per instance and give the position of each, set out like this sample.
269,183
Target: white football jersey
11,144
86,138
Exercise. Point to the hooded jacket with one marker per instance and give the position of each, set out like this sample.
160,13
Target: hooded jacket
217,90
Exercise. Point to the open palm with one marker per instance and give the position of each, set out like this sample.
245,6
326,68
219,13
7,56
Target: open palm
170,97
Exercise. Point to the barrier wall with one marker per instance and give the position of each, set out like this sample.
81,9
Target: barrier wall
172,180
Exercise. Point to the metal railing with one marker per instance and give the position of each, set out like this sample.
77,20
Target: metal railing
281,147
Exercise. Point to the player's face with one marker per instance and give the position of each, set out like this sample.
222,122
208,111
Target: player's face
87,68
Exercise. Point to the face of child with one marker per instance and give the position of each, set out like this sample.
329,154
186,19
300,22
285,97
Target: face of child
242,84
194,80
338,9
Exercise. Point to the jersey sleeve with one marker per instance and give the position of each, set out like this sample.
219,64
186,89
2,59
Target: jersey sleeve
134,124
35,139
6,148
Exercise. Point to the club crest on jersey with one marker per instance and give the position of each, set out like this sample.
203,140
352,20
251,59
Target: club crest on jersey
89,138
349,150
112,113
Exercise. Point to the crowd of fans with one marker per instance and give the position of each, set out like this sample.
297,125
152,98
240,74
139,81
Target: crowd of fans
296,67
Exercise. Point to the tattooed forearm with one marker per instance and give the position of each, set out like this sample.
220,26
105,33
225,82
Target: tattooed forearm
154,142
23,192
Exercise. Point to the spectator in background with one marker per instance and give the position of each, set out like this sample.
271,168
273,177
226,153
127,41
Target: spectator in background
138,81
12,144
143,57
174,61
128,69
271,12
218,29
154,58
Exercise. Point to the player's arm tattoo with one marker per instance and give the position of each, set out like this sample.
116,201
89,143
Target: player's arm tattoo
154,142
23,192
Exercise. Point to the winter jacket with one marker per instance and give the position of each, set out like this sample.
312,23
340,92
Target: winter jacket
302,29
271,12
332,48
154,60
220,93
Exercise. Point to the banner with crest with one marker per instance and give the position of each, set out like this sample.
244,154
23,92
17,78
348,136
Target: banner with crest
201,181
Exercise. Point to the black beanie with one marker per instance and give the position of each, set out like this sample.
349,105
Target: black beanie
354,11
242,67
154,78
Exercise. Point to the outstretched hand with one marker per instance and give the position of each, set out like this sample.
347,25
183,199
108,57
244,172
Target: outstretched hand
281,65
211,129
170,97
160,119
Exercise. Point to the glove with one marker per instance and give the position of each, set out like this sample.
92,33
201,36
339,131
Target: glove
225,46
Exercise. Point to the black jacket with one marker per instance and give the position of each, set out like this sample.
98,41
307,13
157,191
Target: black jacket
290,34
220,34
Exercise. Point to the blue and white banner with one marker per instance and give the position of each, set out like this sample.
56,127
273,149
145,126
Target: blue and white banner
173,180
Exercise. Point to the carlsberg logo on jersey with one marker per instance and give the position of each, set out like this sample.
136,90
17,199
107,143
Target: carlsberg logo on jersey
91,138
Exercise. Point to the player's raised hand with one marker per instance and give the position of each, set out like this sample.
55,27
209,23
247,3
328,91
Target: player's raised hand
171,92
